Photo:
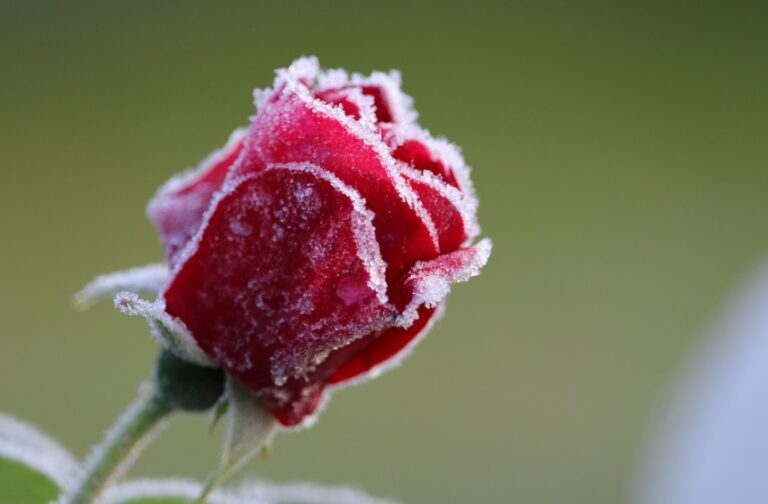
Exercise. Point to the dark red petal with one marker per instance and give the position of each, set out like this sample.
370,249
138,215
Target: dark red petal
427,284
453,213
301,409
367,355
178,208
420,150
390,105
350,100
417,154
286,271
294,127
382,102
384,109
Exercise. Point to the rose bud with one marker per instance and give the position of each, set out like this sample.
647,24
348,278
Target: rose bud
318,245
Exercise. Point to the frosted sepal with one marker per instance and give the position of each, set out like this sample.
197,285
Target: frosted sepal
250,428
142,279
217,412
166,329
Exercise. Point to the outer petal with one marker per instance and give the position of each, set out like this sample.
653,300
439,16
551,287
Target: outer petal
427,285
363,358
429,282
178,207
370,356
293,126
284,270
424,291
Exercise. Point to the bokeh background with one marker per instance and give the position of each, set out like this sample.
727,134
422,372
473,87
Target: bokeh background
619,150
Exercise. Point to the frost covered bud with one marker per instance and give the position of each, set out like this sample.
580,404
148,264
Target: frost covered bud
318,245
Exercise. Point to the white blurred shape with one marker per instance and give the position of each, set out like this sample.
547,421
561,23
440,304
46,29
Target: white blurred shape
247,493
711,446
23,443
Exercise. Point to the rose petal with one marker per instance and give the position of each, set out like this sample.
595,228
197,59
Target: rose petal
391,104
419,156
429,282
453,212
354,104
178,207
368,357
363,359
306,400
427,285
285,270
293,126
418,148
384,108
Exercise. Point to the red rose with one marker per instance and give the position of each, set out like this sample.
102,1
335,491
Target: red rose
318,245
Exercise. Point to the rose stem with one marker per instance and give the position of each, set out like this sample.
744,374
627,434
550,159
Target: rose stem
121,446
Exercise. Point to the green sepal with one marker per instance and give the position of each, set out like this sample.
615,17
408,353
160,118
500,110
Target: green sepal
185,386
217,412
250,427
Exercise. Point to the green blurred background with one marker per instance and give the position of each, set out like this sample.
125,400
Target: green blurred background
619,150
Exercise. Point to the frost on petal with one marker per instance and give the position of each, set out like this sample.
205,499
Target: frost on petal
28,446
178,207
418,155
285,270
294,127
429,282
418,148
453,212
391,104
353,102
370,356
426,286
303,70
